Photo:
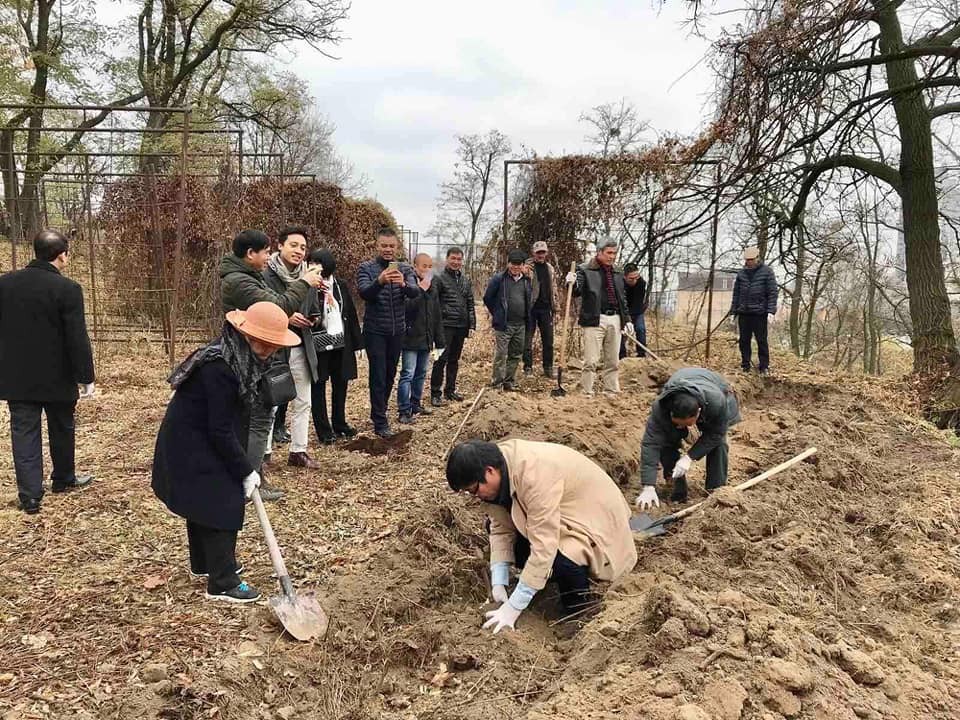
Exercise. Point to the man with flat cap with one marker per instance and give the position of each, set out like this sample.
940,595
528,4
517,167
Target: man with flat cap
754,298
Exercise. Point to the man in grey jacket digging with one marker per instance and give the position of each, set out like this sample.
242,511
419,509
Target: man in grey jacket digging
691,397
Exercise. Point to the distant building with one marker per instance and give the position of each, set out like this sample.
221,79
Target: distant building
692,295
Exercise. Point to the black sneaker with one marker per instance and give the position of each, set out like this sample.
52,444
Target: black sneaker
437,400
510,387
550,373
242,593
421,410
405,419
347,432
528,371
80,481
30,507
328,438
385,433
197,576
281,437
455,396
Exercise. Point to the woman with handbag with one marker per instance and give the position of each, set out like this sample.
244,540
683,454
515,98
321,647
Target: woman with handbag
200,468
338,342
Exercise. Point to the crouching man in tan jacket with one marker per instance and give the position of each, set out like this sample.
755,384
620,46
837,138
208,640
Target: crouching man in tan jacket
553,513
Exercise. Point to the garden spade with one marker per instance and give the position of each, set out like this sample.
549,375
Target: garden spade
558,391
300,615
646,526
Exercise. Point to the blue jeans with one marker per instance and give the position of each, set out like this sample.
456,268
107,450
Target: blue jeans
413,373
640,325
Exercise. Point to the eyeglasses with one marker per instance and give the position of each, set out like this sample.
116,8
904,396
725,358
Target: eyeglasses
472,489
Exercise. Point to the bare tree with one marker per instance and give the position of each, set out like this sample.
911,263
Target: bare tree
463,205
842,70
616,128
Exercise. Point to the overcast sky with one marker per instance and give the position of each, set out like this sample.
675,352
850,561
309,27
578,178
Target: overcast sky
412,75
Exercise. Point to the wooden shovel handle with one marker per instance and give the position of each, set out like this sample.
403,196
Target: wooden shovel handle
643,347
753,481
464,422
275,557
566,315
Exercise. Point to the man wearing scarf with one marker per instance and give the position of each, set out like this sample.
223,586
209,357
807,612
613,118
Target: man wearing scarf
285,268
554,514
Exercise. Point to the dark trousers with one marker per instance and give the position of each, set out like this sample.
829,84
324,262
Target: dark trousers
318,406
543,321
717,460
280,419
640,328
26,438
383,355
449,362
213,552
753,326
573,581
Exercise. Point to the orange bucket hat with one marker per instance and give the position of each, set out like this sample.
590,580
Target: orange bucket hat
264,321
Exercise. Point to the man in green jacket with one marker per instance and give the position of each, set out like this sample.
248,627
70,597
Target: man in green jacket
241,285
691,397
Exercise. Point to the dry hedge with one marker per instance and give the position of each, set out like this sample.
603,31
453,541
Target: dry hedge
139,220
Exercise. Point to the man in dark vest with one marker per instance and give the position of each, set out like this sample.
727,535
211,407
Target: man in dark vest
459,320
754,298
45,358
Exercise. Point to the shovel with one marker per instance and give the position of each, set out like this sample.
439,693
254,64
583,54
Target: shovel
643,347
646,526
301,616
558,391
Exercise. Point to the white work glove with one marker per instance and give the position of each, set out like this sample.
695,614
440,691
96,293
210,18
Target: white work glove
499,593
87,390
648,498
571,278
436,353
630,331
503,617
250,483
682,466
361,354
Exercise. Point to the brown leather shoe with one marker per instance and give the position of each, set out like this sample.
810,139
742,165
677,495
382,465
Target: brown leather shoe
301,459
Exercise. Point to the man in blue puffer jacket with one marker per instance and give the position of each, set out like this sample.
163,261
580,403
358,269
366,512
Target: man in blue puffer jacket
384,284
754,297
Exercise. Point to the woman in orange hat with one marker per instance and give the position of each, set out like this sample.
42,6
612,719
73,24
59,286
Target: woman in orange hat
200,467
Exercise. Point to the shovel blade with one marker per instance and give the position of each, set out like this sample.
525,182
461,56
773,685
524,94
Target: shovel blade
646,526
558,391
301,616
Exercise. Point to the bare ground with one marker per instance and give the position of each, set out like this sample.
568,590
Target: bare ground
830,591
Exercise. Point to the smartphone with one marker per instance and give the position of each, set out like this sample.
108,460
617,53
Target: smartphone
393,265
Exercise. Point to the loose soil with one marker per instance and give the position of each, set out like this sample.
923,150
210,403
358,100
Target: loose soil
830,591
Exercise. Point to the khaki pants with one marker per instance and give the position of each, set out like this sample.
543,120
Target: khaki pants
299,410
602,343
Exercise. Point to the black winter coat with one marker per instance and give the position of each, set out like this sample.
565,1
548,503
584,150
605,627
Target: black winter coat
456,300
589,288
385,311
308,307
342,364
636,297
424,322
199,462
44,347
495,299
755,292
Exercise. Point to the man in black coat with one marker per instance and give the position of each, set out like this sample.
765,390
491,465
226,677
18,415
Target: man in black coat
44,356
754,298
636,290
459,319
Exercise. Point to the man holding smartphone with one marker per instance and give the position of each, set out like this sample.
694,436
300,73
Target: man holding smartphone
384,283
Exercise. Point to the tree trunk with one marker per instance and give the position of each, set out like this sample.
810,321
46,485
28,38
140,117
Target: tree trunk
934,344
796,300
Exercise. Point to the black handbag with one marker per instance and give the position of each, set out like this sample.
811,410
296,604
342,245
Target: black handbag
277,386
325,342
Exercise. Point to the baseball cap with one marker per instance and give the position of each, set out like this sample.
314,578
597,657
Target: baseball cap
539,246
751,253
517,257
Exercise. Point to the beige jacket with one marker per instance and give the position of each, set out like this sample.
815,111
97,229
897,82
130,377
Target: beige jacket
562,501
